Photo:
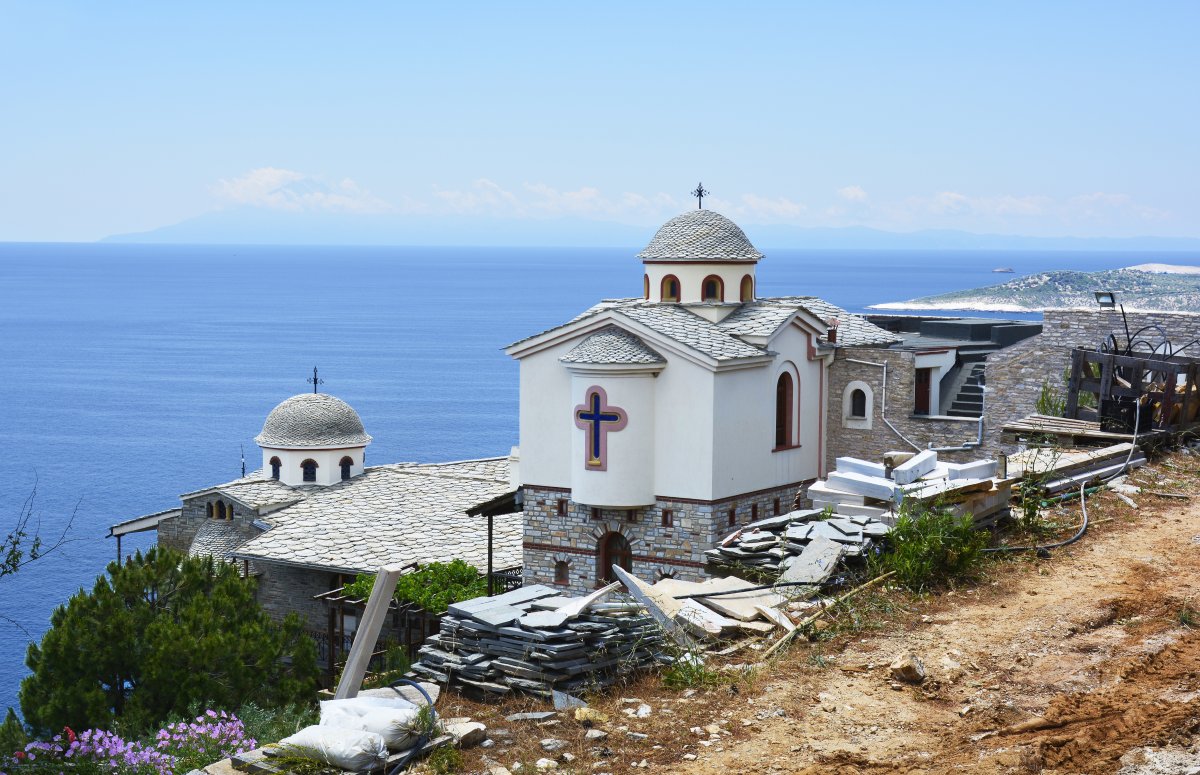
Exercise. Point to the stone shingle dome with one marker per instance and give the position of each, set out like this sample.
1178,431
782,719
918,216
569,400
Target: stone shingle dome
700,235
313,420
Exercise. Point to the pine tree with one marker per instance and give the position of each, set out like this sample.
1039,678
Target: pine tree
157,635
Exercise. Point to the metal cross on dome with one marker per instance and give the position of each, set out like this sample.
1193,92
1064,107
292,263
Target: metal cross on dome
700,193
314,380
598,419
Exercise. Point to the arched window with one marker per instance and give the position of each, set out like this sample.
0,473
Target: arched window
208,508
346,463
645,286
747,288
858,403
562,572
783,411
276,464
219,512
309,467
712,289
669,290
613,549
228,511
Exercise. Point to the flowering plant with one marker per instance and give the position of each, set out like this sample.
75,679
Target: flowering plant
179,747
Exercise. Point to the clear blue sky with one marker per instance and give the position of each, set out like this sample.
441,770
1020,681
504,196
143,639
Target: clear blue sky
1023,118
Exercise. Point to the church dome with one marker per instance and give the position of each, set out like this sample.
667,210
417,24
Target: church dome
700,235
313,420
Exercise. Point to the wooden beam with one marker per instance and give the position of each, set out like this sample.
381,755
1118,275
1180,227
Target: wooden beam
368,631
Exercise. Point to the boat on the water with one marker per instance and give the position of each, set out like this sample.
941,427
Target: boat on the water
1003,269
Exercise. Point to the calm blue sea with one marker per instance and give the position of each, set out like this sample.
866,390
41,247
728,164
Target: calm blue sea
132,373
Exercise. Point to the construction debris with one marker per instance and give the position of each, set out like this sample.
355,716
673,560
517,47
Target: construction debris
801,547
535,640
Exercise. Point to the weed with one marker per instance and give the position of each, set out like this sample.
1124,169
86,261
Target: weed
928,547
816,658
445,760
267,724
688,671
426,722
299,761
1189,617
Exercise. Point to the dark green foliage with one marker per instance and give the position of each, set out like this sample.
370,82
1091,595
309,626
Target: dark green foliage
928,547
157,635
12,735
433,587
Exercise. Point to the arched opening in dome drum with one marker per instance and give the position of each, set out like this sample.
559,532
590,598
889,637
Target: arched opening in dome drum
276,465
346,463
614,549
712,289
309,467
670,288
208,510
645,286
783,411
747,288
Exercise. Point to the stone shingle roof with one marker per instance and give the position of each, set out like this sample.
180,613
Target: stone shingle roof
688,328
313,420
256,490
853,330
612,345
394,514
757,319
216,539
700,235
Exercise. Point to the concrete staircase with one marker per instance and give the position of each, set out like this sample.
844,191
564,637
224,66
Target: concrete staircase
968,400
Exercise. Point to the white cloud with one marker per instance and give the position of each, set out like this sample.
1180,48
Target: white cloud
280,189
540,200
852,193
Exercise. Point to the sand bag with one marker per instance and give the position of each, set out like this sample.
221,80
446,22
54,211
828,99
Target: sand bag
349,749
395,725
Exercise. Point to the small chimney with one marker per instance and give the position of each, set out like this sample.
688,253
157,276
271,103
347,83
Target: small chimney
831,335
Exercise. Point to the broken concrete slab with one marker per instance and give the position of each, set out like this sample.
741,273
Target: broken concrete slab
822,491
703,621
741,605
858,484
853,465
640,591
780,619
978,469
915,467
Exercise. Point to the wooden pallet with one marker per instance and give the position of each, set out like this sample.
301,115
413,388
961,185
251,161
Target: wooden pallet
1069,432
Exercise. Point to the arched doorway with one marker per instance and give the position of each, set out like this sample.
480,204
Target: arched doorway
613,549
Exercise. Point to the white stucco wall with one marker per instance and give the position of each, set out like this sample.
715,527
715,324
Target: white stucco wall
328,469
691,278
940,363
628,478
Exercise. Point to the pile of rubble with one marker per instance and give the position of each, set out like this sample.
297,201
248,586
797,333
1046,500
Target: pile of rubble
864,488
775,546
536,640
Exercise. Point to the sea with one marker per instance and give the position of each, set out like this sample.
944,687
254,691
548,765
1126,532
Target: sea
132,373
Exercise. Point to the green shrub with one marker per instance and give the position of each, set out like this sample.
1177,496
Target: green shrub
268,724
433,587
688,671
445,760
929,547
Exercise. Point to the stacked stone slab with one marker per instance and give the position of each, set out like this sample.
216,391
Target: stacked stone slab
534,640
771,545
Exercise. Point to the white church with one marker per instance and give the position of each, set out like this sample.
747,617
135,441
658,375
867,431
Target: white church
650,427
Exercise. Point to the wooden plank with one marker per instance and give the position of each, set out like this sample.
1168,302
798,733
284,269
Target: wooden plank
1073,384
368,631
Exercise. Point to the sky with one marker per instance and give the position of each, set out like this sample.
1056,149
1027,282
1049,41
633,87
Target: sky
1045,119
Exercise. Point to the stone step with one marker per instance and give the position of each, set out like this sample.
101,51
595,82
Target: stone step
964,413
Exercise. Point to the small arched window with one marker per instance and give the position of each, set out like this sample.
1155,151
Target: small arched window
208,508
309,467
219,510
614,549
562,572
783,411
346,463
228,511
713,289
645,286
669,290
858,403
276,465
747,288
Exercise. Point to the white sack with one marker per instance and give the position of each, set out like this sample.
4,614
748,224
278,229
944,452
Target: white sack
348,749
394,725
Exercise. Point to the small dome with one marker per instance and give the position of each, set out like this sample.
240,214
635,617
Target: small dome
700,235
313,420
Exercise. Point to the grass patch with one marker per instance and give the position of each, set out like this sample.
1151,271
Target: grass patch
929,547
1188,616
445,760
689,671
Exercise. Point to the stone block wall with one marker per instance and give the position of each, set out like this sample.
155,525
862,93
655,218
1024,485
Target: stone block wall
871,443
1015,375
284,589
676,549
179,532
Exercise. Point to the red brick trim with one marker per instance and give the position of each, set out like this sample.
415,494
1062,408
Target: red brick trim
592,553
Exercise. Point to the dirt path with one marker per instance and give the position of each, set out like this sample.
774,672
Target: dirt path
1060,665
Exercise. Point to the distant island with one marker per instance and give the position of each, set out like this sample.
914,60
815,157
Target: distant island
1163,287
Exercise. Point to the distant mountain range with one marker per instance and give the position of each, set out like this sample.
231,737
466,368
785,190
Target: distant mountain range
1147,287
256,226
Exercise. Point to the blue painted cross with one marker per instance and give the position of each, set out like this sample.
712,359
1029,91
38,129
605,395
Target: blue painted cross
598,419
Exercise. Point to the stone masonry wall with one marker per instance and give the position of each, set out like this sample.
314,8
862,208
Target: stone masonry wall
1016,375
284,589
178,532
871,444
677,550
